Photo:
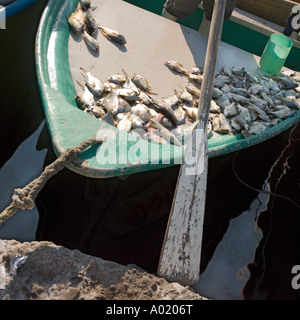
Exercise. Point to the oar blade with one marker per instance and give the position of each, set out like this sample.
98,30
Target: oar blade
181,250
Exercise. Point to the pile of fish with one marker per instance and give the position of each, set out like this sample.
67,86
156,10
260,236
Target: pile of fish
83,23
241,102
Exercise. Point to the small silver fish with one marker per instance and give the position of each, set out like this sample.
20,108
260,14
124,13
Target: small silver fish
122,107
165,133
117,78
141,111
195,77
112,35
111,101
281,111
289,102
165,109
231,110
192,89
85,98
125,124
141,83
96,111
76,21
94,84
85,4
255,127
129,84
90,41
175,66
91,24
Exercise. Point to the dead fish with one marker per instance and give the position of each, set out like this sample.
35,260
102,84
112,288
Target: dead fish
241,91
214,108
266,97
140,133
112,35
85,98
141,111
216,93
111,101
251,77
221,80
255,128
76,21
287,82
128,94
91,24
125,124
231,110
256,88
281,111
94,84
240,99
196,77
239,71
223,101
117,78
90,41
263,104
122,107
145,98
180,115
288,102
227,71
191,112
290,94
172,100
225,126
235,125
141,83
96,111
164,108
85,4
152,136
183,131
197,70
192,89
186,96
259,112
128,84
165,133
175,66
243,117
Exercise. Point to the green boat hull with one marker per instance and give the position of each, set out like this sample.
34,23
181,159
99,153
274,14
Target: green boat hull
69,126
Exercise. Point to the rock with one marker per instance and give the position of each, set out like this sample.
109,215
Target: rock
45,271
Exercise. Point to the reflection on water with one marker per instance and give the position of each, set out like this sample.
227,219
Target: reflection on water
255,257
25,165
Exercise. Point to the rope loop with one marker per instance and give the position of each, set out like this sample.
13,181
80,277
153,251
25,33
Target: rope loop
24,198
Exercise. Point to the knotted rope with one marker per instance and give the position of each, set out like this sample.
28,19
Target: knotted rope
24,198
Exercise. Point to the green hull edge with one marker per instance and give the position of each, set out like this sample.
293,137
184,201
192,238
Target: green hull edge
65,120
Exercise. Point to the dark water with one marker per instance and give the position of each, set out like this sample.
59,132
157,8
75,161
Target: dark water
125,220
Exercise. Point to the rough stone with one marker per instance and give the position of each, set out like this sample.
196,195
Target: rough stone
52,272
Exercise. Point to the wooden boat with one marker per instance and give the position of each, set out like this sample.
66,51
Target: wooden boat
151,39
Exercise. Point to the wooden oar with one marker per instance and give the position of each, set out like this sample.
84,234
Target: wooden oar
181,249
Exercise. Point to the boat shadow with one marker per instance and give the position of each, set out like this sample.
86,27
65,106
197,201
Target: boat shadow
228,54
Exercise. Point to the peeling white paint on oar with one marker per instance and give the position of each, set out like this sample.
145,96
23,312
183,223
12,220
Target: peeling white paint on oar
181,250
180,259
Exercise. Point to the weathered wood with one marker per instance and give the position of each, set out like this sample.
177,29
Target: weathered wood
181,251
276,11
